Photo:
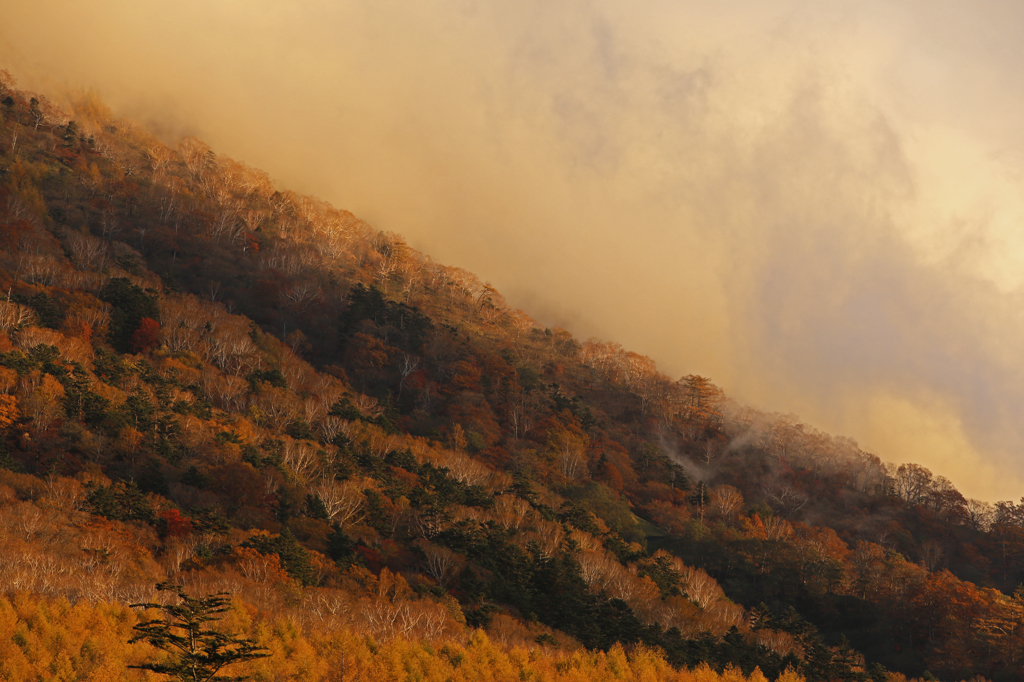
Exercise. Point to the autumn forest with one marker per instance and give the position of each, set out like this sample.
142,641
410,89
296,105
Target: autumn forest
209,380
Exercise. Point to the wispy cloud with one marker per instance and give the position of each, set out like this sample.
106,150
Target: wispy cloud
816,204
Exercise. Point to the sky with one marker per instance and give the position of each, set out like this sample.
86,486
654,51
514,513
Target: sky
818,205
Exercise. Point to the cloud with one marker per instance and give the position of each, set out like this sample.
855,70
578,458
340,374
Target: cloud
815,204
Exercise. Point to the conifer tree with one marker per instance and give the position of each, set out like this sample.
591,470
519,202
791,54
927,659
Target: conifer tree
197,652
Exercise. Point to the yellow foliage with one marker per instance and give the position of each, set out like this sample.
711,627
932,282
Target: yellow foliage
90,107
45,638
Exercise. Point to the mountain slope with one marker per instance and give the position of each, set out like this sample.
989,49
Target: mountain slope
258,391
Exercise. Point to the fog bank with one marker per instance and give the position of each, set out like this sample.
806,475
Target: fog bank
817,205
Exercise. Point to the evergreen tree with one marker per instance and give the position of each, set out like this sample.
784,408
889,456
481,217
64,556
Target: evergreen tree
197,652
131,304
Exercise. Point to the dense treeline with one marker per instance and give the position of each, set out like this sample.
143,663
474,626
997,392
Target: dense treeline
204,377
53,639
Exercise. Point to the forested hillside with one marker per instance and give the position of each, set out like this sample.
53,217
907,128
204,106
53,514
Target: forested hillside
210,380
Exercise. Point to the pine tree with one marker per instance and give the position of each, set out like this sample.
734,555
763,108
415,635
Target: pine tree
197,652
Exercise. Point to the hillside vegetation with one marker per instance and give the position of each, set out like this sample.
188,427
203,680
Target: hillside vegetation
209,380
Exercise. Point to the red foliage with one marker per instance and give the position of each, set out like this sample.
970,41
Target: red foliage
67,157
146,336
373,559
416,381
11,233
175,525
495,457
251,242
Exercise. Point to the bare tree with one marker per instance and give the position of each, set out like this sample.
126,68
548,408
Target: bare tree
331,427
571,453
302,458
700,588
931,554
465,469
596,567
776,528
441,563
14,316
726,500
980,515
783,497
408,365
87,251
911,483
343,501
511,511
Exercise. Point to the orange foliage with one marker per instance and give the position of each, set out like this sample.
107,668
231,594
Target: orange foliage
466,376
368,353
8,410
260,568
76,327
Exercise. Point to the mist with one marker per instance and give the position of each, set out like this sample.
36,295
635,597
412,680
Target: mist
816,205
